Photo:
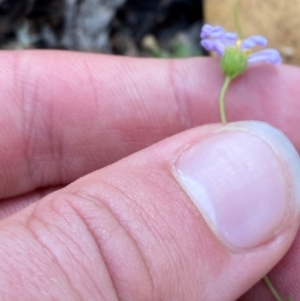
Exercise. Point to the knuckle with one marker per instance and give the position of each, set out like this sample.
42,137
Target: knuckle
91,247
148,212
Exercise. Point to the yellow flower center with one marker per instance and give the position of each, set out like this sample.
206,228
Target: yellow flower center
238,43
238,46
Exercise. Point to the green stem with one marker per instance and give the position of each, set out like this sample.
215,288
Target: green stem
222,98
272,289
237,19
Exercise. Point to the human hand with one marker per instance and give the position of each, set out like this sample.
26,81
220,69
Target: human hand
129,230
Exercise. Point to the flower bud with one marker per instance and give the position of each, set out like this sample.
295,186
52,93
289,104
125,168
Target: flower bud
233,62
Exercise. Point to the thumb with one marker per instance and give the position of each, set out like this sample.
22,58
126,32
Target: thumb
202,215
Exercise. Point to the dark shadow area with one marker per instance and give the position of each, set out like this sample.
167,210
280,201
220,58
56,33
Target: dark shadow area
108,26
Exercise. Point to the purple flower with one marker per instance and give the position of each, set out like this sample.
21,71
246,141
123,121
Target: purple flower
216,39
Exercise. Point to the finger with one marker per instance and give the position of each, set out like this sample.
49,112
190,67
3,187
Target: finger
12,205
202,215
284,277
66,114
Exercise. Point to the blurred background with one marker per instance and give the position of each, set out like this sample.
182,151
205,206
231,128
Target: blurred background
160,28
125,27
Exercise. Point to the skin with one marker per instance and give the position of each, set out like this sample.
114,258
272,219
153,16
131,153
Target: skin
71,118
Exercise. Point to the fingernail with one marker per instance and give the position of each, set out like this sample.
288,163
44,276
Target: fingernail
245,180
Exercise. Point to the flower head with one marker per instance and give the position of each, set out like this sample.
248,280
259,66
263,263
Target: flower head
236,54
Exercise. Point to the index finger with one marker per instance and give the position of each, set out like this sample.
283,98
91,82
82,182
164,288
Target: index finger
66,114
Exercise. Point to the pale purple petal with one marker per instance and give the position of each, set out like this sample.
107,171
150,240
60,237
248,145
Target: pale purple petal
208,44
217,34
270,56
253,41
247,44
231,36
259,40
230,39
211,31
217,28
219,37
213,45
213,38
219,48
206,31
